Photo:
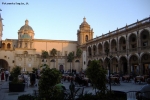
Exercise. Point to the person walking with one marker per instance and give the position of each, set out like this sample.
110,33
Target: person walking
6,75
2,75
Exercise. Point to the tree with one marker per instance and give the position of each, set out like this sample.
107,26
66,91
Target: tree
44,54
49,78
97,75
44,66
78,52
53,52
70,58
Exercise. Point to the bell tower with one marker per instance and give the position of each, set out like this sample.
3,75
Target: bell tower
85,33
1,29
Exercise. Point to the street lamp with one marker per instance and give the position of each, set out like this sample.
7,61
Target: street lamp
108,60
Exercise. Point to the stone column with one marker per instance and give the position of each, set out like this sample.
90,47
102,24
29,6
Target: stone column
139,42
127,43
140,67
109,43
97,52
18,44
23,44
128,66
118,49
28,44
103,48
80,38
120,66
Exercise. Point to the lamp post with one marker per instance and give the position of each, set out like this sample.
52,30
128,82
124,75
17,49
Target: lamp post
108,59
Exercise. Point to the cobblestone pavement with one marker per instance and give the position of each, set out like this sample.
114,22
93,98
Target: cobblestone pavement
6,95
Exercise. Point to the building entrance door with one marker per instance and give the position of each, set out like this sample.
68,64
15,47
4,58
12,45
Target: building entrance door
61,68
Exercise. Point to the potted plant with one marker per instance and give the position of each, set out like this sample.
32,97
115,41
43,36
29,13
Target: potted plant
16,85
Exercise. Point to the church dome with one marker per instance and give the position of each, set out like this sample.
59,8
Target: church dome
84,23
25,36
26,26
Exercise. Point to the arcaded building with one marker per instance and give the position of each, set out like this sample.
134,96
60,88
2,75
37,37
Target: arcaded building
129,47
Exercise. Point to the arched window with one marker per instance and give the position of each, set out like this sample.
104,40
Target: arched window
3,45
86,38
8,46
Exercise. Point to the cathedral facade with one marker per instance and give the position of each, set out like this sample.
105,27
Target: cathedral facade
129,49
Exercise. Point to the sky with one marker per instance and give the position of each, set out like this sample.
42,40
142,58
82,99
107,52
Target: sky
60,19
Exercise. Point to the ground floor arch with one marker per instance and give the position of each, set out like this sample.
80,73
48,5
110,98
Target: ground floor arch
114,65
61,68
89,62
134,64
123,63
4,64
145,64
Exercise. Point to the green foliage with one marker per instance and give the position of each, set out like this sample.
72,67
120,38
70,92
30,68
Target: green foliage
53,52
49,78
34,69
14,73
26,97
78,52
44,65
97,75
70,56
27,72
44,54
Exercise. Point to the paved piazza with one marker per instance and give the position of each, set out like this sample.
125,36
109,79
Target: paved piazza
6,95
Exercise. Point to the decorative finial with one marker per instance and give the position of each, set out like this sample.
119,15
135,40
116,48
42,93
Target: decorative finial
137,20
84,19
26,22
1,17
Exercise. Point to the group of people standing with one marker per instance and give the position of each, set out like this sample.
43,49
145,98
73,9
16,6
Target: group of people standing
4,74
34,77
